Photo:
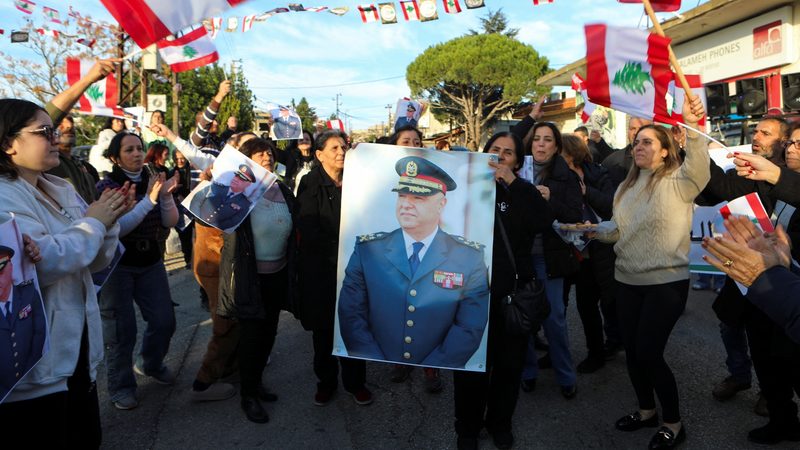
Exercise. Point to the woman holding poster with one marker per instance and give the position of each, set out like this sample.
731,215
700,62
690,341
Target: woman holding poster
652,216
58,397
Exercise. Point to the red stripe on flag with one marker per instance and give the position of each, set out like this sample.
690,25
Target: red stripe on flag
138,20
658,58
760,212
596,68
725,212
112,99
195,63
73,76
183,40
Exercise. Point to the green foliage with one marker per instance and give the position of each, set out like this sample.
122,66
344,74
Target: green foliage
308,115
632,79
495,23
475,79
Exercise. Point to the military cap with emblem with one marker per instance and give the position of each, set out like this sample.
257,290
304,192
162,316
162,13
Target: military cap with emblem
410,107
246,173
418,176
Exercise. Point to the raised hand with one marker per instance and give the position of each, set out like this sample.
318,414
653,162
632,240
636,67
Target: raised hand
162,130
169,186
155,185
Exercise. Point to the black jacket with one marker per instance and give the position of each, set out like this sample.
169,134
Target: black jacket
240,285
618,164
599,189
566,206
318,227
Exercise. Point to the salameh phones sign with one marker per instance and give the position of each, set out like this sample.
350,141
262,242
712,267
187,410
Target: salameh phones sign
749,46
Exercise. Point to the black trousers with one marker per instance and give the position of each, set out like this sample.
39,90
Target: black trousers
68,419
185,237
776,359
490,398
257,336
326,366
647,315
593,290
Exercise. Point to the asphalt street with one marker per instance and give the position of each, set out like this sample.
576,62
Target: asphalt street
404,416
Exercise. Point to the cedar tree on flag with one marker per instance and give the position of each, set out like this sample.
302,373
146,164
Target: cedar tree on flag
190,51
369,13
25,6
627,69
51,14
148,21
452,7
678,94
541,2
472,4
247,22
410,10
750,206
100,99
659,5
388,13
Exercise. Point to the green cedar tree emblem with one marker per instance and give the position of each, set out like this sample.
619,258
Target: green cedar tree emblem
94,92
189,52
631,78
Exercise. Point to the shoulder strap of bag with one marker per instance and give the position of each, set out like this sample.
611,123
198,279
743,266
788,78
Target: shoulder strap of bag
499,224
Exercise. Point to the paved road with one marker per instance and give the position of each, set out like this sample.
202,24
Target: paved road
404,416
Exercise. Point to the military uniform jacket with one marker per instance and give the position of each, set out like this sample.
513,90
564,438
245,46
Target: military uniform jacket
435,318
286,128
215,207
21,340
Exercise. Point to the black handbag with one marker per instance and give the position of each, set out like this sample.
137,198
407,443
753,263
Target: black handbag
526,306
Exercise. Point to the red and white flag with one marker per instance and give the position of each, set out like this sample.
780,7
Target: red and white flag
452,6
148,21
316,8
749,206
659,5
46,32
627,69
51,14
214,25
678,95
410,10
87,42
579,85
233,24
247,22
335,124
25,6
100,99
369,13
541,2
190,51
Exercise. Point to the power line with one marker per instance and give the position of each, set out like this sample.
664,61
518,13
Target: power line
353,83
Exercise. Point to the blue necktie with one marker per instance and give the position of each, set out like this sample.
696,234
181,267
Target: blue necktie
7,307
413,261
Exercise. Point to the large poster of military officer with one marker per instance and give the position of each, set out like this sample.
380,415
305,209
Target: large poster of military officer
415,248
23,325
236,185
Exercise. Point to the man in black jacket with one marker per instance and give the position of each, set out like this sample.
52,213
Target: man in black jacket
620,161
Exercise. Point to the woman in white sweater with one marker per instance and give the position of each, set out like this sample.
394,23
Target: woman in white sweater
74,239
650,226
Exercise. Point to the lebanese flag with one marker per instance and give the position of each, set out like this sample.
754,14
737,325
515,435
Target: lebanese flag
659,5
51,14
190,51
233,24
369,13
335,124
628,70
749,206
100,99
541,2
316,8
87,42
247,22
452,6
410,10
25,6
148,21
46,32
579,84
678,95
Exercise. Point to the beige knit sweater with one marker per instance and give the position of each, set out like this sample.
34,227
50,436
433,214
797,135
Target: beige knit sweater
652,233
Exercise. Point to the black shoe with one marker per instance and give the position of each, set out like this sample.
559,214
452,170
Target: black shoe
503,439
265,395
591,365
611,350
771,434
665,438
528,385
633,422
545,362
467,443
727,388
254,411
569,392
400,373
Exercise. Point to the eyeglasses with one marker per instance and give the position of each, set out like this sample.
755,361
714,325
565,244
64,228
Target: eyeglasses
47,132
795,143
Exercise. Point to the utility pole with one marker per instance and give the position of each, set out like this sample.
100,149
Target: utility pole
176,89
389,120
337,104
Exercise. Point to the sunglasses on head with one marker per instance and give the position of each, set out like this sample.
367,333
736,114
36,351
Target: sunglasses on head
48,132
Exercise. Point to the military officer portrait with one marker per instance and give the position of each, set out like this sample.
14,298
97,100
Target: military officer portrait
22,325
221,206
286,124
416,295
408,118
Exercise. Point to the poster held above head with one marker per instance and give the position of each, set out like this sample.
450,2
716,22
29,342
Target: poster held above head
414,257
407,113
286,123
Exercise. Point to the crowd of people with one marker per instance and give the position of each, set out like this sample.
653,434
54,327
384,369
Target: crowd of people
631,281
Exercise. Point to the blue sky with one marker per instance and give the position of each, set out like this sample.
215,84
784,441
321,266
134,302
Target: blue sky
319,55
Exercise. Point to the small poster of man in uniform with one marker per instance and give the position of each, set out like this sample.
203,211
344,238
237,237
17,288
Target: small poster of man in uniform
286,124
237,184
408,112
23,325
414,257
